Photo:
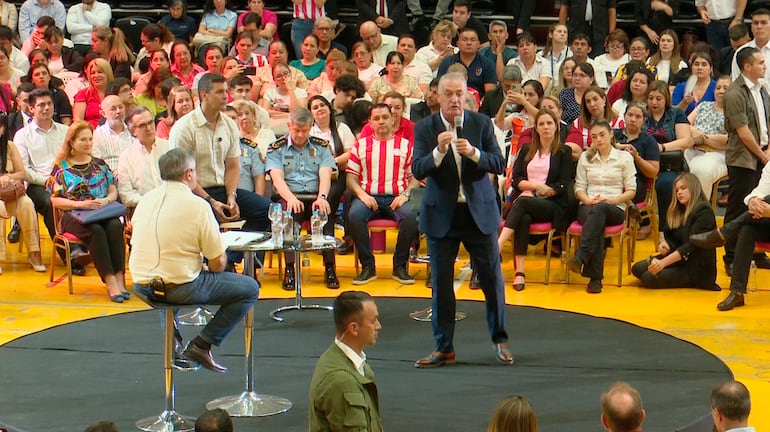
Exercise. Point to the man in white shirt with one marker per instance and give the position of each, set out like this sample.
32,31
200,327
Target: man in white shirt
17,58
760,28
138,165
379,43
419,71
32,10
112,137
730,407
83,17
532,66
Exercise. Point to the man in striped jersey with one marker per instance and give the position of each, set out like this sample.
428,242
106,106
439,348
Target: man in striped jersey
380,179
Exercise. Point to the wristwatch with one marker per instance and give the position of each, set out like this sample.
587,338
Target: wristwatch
323,196
406,193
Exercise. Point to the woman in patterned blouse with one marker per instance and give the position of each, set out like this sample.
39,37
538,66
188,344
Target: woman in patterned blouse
80,181
394,80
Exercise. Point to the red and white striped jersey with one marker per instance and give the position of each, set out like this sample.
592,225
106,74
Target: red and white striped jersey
383,167
307,9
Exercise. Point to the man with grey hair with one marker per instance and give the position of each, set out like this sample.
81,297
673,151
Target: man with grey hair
730,407
112,137
300,168
324,31
215,141
622,409
378,43
166,255
138,171
498,51
510,77
455,150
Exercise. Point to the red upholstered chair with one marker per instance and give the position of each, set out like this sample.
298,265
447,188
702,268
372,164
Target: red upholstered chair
624,232
377,232
62,240
541,228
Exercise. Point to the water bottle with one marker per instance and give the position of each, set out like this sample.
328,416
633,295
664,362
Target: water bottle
276,224
316,236
288,227
752,288
324,219
305,268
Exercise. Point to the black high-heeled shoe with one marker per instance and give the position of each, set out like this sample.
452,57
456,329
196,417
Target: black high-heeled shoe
519,286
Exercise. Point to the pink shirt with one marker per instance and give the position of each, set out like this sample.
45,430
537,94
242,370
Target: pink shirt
268,17
537,170
188,79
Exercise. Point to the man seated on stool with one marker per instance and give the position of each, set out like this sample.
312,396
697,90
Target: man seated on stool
172,228
380,179
300,168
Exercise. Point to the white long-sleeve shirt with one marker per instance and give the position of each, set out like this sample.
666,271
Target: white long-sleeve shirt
80,23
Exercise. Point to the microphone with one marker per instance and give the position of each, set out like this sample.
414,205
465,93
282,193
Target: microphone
459,126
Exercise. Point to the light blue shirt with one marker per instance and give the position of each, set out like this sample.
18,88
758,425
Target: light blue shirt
31,11
300,166
220,22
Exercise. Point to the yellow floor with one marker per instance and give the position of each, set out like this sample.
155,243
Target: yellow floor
740,338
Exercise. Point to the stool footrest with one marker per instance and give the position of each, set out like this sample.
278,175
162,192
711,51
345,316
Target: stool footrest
167,421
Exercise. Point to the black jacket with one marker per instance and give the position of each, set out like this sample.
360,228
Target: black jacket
700,264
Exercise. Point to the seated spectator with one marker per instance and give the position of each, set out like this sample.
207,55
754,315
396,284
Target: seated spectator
243,50
282,99
706,158
216,420
177,21
380,194
154,37
82,17
31,11
604,185
9,16
156,60
571,98
277,53
80,181
427,107
41,78
555,52
532,66
402,126
23,209
394,80
679,263
419,71
252,23
699,87
62,60
18,59
137,169
357,115
563,78
36,38
440,46
88,101
528,100
498,46
182,65
324,84
216,27
180,102
10,77
463,19
638,50
241,88
112,137
731,406
615,56
254,142
362,58
634,139
152,97
310,64
484,77
668,60
347,89
268,18
121,87
622,409
110,44
581,48
739,36
324,30
593,107
635,90
542,174
380,44
513,414
212,59
22,115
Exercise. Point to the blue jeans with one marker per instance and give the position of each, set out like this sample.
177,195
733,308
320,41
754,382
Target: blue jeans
299,29
359,217
236,295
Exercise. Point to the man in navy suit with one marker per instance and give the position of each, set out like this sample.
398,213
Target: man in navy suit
455,150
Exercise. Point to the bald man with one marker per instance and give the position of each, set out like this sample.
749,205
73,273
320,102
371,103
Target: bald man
112,137
622,409
379,43
730,407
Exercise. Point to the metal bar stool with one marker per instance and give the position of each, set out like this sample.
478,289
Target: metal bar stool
168,420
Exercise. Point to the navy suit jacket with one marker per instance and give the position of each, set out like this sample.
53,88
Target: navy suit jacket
442,185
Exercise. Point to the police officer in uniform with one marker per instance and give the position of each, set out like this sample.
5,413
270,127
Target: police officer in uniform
300,168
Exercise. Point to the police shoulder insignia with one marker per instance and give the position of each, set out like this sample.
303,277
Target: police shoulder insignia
279,143
318,141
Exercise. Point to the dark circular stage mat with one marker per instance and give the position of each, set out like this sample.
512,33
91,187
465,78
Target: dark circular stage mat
66,377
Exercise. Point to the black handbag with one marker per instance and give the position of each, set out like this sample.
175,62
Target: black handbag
673,161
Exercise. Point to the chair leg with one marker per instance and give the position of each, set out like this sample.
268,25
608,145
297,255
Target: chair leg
568,256
620,258
548,257
67,252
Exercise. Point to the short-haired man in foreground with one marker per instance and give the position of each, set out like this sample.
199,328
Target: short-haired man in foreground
622,409
216,420
730,407
172,228
343,383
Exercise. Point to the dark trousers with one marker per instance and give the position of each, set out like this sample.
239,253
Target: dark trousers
717,33
742,232
303,216
664,189
523,212
359,217
104,239
486,258
741,182
522,11
42,200
338,196
675,276
591,251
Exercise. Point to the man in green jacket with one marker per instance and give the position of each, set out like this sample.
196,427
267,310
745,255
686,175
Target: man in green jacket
343,395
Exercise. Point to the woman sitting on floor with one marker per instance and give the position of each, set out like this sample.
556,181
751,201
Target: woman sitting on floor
680,264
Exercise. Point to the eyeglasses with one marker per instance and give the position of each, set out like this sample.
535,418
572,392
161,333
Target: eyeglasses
324,29
637,49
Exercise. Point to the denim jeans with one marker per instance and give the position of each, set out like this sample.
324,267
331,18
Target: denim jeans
236,295
299,29
359,217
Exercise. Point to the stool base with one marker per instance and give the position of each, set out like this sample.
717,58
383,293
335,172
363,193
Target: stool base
426,315
167,421
199,317
251,404
274,313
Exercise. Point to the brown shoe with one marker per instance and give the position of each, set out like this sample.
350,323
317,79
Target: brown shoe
503,354
436,359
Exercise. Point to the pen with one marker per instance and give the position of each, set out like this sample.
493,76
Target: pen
237,239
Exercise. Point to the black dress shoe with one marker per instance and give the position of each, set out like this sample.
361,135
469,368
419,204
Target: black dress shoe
15,234
475,282
762,261
180,361
575,265
346,248
331,278
203,357
400,274
78,270
436,359
289,278
594,286
503,354
708,240
733,300
367,275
